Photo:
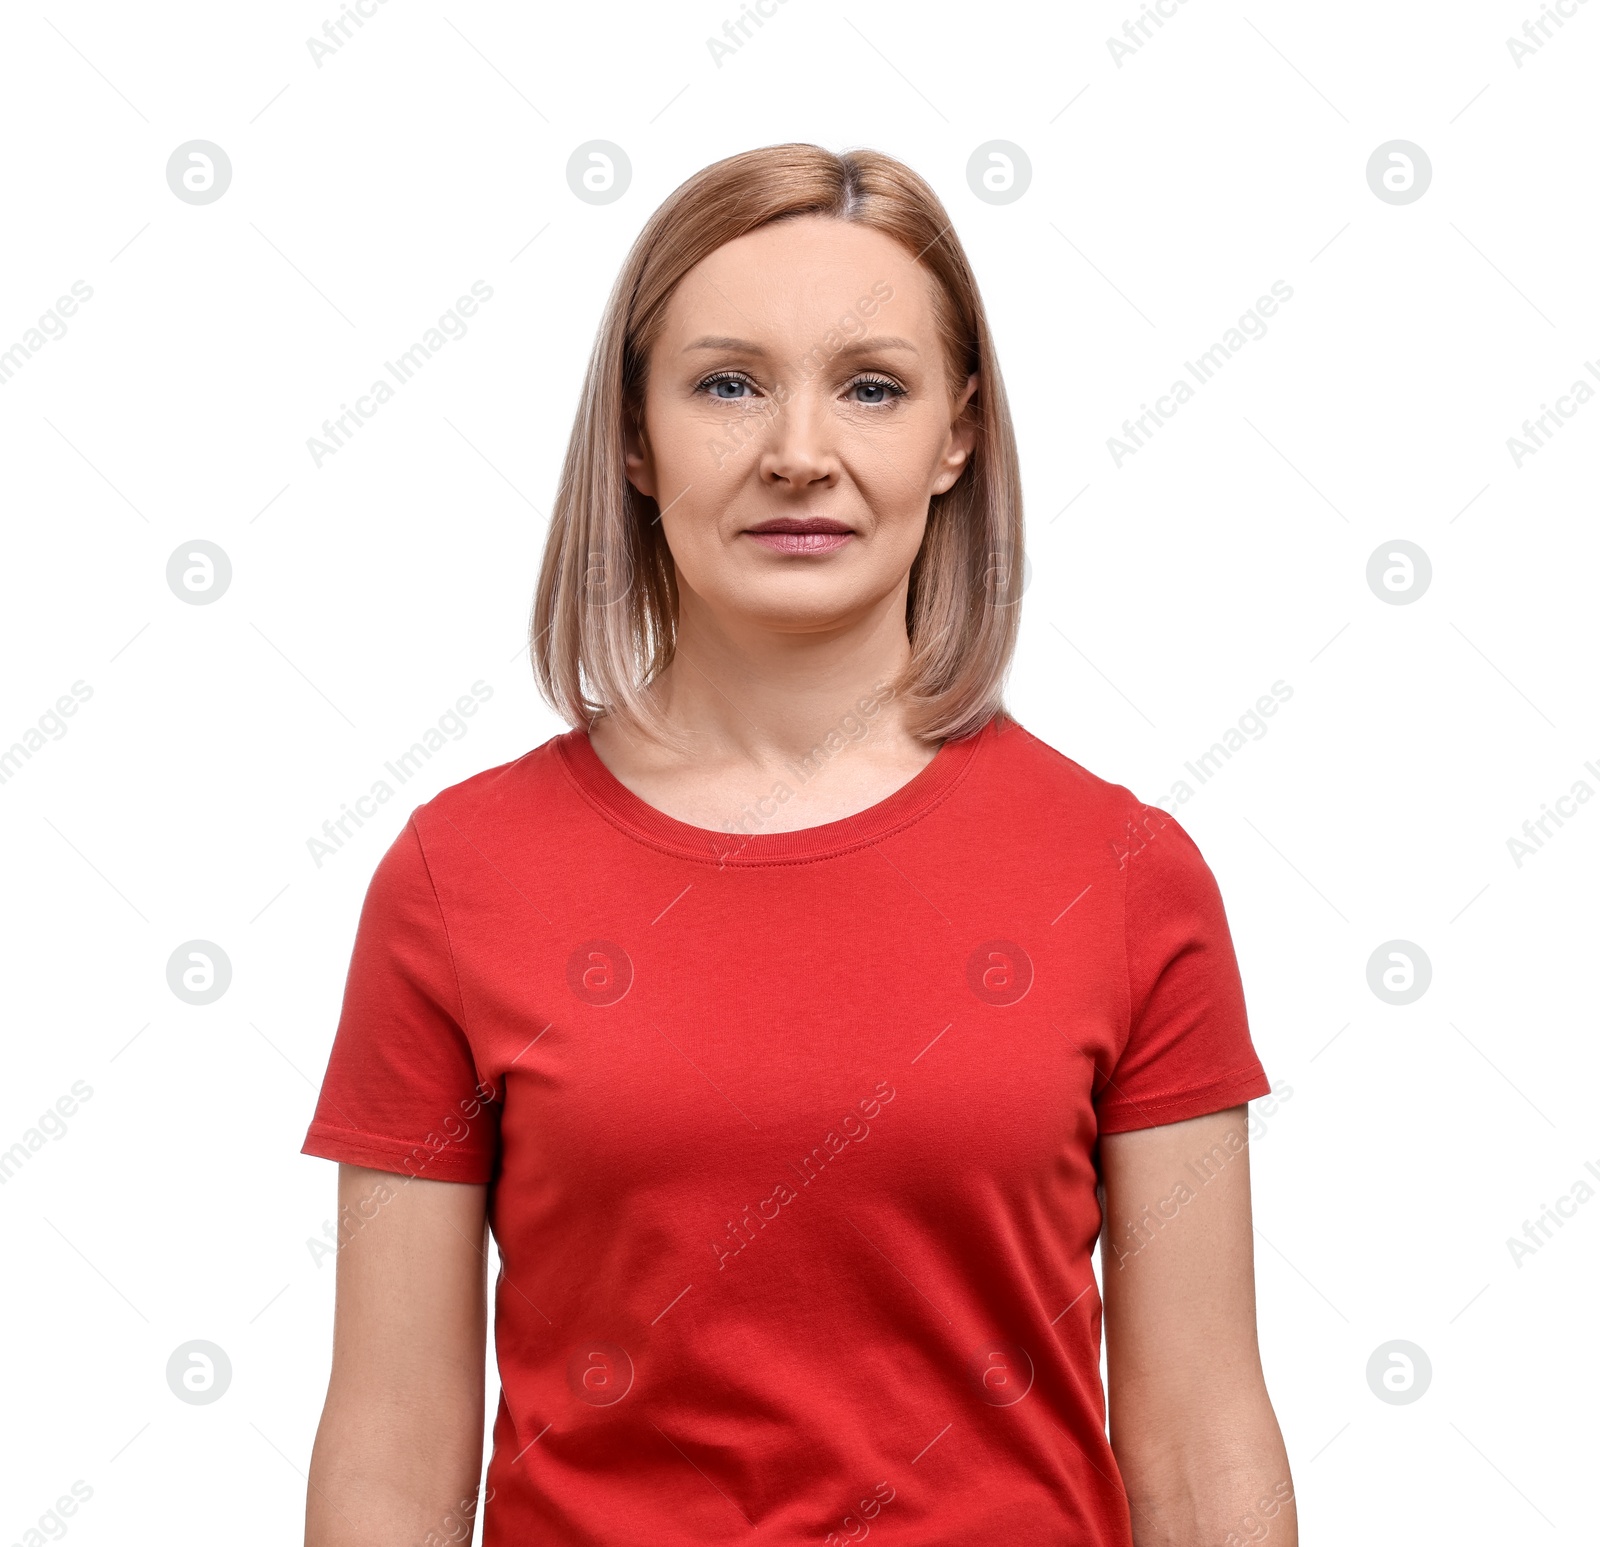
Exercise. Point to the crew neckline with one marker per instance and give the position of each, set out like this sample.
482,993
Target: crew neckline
635,816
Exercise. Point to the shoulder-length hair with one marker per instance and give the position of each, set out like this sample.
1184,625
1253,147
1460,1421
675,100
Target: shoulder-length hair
605,610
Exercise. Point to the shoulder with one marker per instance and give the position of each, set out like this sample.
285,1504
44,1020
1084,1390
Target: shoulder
1033,769
520,790
1089,815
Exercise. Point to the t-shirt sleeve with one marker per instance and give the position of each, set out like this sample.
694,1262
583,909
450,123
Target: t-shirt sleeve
402,1092
1188,1049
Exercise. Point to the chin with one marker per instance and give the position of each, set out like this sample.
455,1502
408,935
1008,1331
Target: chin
808,601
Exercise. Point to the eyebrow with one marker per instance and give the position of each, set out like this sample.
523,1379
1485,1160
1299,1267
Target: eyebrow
855,346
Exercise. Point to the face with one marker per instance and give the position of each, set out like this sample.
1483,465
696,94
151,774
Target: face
797,418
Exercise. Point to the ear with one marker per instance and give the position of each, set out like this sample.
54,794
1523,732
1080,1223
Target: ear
636,458
963,437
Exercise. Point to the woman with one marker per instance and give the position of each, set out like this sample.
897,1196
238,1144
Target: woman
784,1017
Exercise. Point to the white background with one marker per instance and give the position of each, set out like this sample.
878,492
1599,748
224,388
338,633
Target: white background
1167,595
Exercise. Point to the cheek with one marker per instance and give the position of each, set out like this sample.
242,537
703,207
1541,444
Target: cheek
705,447
898,511
699,496
891,484
692,535
894,465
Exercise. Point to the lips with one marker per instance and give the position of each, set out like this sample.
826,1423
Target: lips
796,525
790,534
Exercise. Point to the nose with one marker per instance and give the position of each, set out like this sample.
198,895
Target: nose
798,450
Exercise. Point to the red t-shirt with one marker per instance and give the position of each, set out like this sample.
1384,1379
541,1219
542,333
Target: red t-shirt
791,1136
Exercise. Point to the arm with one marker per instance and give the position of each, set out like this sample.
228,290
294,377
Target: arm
1192,1426
400,1447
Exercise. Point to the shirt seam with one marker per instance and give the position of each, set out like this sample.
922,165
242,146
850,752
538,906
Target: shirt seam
450,948
415,1161
1127,961
329,1130
851,847
1237,1076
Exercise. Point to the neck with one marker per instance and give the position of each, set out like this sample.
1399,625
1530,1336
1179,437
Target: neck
750,693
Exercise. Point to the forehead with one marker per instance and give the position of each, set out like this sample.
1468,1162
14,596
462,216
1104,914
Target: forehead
796,278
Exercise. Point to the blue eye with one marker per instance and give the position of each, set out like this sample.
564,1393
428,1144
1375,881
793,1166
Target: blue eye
882,391
715,384
730,387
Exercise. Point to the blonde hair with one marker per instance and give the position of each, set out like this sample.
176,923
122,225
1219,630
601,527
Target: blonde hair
605,610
